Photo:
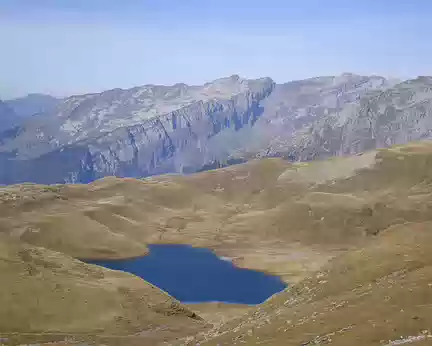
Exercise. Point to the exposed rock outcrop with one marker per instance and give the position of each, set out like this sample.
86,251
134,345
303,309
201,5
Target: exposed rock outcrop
137,132
396,115
153,129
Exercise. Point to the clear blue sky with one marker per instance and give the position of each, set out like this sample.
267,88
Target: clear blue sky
75,46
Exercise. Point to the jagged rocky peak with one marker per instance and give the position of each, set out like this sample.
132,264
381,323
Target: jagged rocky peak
395,115
118,107
139,131
350,80
153,129
229,86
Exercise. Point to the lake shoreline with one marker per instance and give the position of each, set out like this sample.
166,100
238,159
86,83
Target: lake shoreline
224,253
179,270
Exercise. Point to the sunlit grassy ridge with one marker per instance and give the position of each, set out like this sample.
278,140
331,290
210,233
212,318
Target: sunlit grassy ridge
351,233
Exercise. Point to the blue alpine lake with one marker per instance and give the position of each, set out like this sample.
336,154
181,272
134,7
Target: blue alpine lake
197,275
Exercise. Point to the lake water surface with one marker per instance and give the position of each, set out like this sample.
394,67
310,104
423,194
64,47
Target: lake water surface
197,275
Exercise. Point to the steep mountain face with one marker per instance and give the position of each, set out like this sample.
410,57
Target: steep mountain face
32,104
135,132
396,115
7,116
295,106
153,129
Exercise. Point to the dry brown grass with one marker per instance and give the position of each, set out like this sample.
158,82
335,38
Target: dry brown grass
46,294
368,296
345,215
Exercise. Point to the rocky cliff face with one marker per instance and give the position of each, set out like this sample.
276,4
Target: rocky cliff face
135,132
395,115
180,129
294,107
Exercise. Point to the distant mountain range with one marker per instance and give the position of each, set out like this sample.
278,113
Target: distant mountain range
7,116
33,104
155,129
14,112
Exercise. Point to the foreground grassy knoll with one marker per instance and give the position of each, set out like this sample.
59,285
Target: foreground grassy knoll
46,295
352,234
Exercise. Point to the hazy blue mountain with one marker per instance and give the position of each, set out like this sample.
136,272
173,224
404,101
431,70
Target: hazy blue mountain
7,116
33,104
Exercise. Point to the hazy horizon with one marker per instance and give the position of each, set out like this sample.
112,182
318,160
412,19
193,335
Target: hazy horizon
172,84
74,47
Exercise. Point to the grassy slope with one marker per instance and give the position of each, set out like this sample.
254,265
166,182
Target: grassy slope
47,292
293,220
375,293
365,297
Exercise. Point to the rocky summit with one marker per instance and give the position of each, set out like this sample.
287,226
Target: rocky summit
156,129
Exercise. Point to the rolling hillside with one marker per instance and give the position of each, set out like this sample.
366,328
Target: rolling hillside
349,234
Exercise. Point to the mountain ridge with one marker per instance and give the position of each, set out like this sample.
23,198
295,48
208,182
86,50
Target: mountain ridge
32,104
154,129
